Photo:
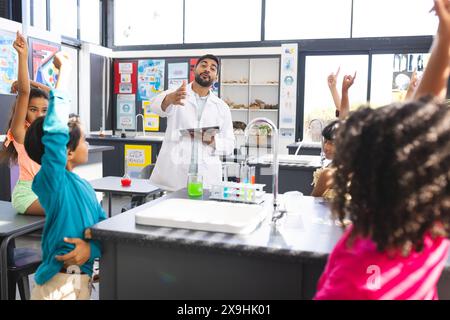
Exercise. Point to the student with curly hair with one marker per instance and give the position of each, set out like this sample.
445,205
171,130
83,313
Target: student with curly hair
393,182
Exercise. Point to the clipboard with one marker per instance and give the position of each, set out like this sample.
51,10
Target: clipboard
211,130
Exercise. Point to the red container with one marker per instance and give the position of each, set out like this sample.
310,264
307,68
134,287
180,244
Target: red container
126,182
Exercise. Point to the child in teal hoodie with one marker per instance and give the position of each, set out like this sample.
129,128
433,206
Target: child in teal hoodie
69,202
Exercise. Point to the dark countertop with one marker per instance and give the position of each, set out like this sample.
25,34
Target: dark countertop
293,166
314,145
304,234
93,149
109,138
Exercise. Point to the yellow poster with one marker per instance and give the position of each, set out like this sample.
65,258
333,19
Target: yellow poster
138,156
151,120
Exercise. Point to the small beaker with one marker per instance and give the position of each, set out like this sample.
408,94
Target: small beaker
195,185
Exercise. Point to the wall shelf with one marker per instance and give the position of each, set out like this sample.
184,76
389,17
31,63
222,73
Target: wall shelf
261,76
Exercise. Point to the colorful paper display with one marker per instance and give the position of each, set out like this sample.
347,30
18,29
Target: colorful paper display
178,72
125,77
288,85
126,111
44,71
150,78
8,62
151,120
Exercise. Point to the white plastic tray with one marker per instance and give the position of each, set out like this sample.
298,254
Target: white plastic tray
215,216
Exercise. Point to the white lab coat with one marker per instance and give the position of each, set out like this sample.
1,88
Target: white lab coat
172,165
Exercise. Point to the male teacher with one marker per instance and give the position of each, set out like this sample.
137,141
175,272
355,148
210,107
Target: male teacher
193,106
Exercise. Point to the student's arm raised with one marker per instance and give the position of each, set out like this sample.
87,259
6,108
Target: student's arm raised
332,82
56,134
347,82
435,76
23,90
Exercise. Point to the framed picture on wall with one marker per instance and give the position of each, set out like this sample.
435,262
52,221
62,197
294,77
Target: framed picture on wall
42,55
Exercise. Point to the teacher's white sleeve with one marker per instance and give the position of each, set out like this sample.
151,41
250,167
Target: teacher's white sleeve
156,102
225,140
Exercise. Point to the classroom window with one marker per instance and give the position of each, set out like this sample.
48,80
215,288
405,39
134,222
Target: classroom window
39,11
90,21
318,102
64,17
222,21
73,85
386,18
391,75
145,22
287,19
4,9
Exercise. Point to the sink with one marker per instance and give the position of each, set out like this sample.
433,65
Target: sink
215,216
151,138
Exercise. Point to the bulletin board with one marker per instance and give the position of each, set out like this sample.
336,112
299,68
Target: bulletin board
148,78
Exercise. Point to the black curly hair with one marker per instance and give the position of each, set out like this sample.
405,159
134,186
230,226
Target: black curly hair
393,173
329,132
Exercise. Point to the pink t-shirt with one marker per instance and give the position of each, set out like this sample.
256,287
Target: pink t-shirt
360,272
27,167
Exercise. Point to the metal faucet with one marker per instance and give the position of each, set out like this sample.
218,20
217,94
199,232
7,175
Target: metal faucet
277,212
143,130
322,153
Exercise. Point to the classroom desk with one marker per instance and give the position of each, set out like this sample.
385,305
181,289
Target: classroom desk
147,262
111,185
13,225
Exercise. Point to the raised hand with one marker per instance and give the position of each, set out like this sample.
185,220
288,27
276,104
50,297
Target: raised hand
15,87
436,74
442,8
178,97
61,59
20,44
332,78
62,63
348,81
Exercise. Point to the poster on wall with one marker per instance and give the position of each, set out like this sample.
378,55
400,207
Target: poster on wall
126,111
125,77
177,73
137,158
43,53
404,66
150,78
8,61
288,85
151,120
215,85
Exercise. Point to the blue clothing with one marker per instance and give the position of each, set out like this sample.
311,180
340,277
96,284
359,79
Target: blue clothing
69,202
